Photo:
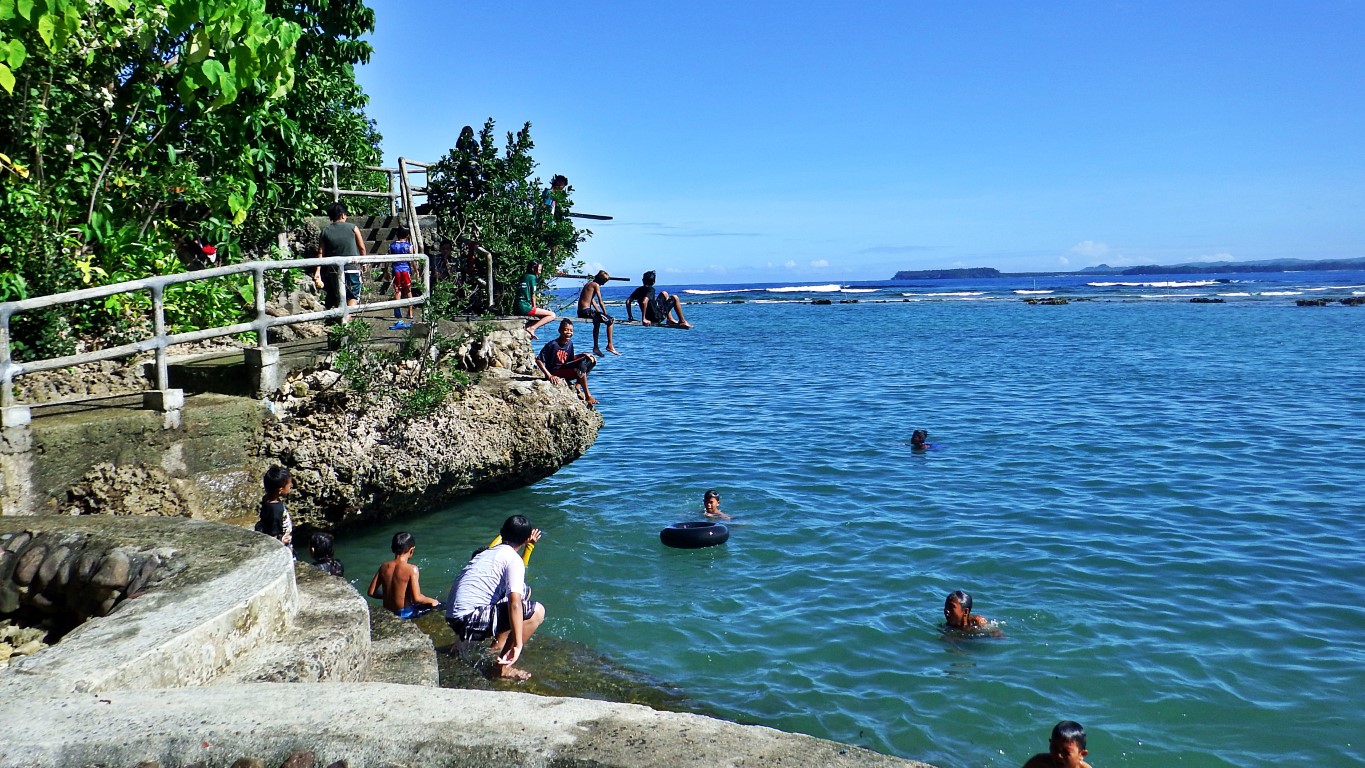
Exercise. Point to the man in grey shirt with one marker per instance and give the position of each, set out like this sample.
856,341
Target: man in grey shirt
340,238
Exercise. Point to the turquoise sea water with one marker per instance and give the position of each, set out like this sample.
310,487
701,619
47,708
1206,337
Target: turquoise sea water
1160,502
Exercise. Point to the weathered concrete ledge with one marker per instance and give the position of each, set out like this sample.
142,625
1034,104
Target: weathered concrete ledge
227,592
381,724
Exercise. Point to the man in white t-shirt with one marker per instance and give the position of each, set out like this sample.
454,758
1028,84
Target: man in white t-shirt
489,598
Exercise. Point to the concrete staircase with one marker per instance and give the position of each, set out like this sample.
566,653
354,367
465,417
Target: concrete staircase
378,231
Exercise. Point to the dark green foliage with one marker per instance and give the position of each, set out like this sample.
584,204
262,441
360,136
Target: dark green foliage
491,196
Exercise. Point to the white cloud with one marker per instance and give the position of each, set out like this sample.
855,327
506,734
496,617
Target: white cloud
1063,260
820,263
789,264
1090,248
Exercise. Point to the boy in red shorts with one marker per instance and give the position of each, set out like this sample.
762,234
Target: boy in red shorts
402,277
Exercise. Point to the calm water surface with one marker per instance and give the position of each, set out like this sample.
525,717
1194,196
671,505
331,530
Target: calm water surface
1161,503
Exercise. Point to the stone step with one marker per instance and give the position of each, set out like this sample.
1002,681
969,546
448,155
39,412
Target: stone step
328,640
217,593
400,652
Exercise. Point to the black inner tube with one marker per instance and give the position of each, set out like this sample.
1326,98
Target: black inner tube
694,535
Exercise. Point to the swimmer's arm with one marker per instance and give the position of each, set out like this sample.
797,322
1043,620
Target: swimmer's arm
415,590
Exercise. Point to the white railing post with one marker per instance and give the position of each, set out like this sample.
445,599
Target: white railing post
258,277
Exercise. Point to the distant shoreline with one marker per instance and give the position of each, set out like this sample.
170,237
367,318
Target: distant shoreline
1279,265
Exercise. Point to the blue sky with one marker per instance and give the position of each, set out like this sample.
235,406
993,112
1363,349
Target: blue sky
802,141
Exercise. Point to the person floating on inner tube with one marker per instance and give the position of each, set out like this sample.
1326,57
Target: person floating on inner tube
710,506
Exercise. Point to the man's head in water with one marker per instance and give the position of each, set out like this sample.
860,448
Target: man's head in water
918,438
1067,745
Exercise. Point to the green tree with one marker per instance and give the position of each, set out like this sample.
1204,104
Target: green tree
482,193
127,129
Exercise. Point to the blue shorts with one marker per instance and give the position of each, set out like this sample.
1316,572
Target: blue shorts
353,286
413,611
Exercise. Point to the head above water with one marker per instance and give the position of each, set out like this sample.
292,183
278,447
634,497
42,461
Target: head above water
918,438
963,599
1068,731
336,211
403,542
322,545
516,530
711,494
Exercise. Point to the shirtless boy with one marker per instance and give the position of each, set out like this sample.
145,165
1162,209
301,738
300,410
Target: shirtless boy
396,582
1066,748
591,307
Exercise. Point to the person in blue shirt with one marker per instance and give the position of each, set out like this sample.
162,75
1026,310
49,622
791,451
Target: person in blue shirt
402,276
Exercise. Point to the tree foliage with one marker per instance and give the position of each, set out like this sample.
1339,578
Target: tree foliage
490,195
127,129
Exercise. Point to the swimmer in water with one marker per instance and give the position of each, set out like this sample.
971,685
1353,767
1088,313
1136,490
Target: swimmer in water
917,440
710,506
1066,748
957,614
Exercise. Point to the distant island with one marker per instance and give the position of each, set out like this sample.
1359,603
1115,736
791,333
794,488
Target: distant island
947,274
1204,268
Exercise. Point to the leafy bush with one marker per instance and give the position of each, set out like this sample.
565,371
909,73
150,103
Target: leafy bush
491,196
129,129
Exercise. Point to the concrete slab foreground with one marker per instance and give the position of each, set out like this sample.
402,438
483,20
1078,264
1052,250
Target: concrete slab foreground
374,724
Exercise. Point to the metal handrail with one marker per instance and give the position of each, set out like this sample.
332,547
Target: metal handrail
160,340
404,192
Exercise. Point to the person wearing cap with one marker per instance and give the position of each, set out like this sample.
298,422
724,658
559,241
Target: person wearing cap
710,506
591,307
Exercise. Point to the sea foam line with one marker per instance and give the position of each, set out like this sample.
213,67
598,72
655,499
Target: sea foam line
1167,284
831,288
